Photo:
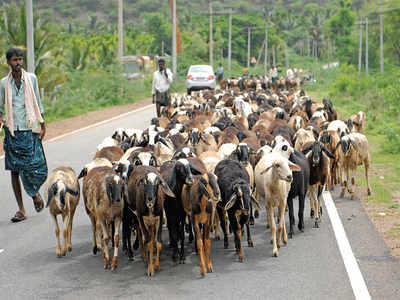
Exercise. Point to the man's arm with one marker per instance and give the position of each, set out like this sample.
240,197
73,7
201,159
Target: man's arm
40,104
153,88
170,76
2,101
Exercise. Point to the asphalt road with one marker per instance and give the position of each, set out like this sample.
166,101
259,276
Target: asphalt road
310,266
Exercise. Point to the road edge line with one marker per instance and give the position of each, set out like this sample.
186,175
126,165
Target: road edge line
356,278
94,125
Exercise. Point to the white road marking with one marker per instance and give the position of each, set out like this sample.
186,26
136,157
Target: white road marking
357,282
1,250
94,125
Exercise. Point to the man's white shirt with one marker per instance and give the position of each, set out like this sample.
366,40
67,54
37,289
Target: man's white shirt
274,72
160,82
289,74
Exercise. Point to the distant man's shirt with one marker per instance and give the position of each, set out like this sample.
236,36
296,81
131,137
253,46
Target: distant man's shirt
274,72
289,74
18,100
160,82
220,71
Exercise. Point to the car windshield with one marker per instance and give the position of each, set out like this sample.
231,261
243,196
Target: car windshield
196,69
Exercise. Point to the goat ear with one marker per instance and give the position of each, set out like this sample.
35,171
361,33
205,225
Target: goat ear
195,170
327,152
204,139
83,173
114,135
307,149
203,190
125,135
166,189
267,169
51,193
186,141
353,143
109,190
231,202
62,198
294,167
71,192
255,201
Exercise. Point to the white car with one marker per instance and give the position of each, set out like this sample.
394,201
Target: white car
200,77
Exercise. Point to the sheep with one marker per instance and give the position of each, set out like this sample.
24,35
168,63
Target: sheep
97,162
359,120
302,137
273,175
104,193
356,153
340,127
147,191
176,174
210,160
199,201
201,142
107,142
226,149
332,142
113,153
62,193
298,187
318,156
233,182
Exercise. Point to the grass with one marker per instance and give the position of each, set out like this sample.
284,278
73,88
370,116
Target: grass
87,91
394,232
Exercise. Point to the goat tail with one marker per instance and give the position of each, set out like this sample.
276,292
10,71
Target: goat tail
51,193
62,189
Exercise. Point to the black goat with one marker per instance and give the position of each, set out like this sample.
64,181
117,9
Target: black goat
298,188
234,185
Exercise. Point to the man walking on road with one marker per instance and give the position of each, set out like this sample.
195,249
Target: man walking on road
274,75
162,79
24,156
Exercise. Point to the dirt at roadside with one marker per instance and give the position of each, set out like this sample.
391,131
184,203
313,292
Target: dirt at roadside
58,128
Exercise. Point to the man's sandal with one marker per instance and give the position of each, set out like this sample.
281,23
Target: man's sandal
38,202
18,217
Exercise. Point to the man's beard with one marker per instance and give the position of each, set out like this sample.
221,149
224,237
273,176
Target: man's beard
16,68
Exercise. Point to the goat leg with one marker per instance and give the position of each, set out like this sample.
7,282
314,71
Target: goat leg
249,240
158,240
114,262
57,232
291,217
65,234
105,255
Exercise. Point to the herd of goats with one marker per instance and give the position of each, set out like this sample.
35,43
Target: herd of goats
205,165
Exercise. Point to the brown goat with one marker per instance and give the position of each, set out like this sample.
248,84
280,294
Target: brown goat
104,193
199,202
147,191
62,193
113,153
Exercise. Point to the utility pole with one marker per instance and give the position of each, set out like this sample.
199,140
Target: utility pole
360,50
248,46
381,37
366,46
174,37
29,37
266,48
120,30
230,42
249,42
211,33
